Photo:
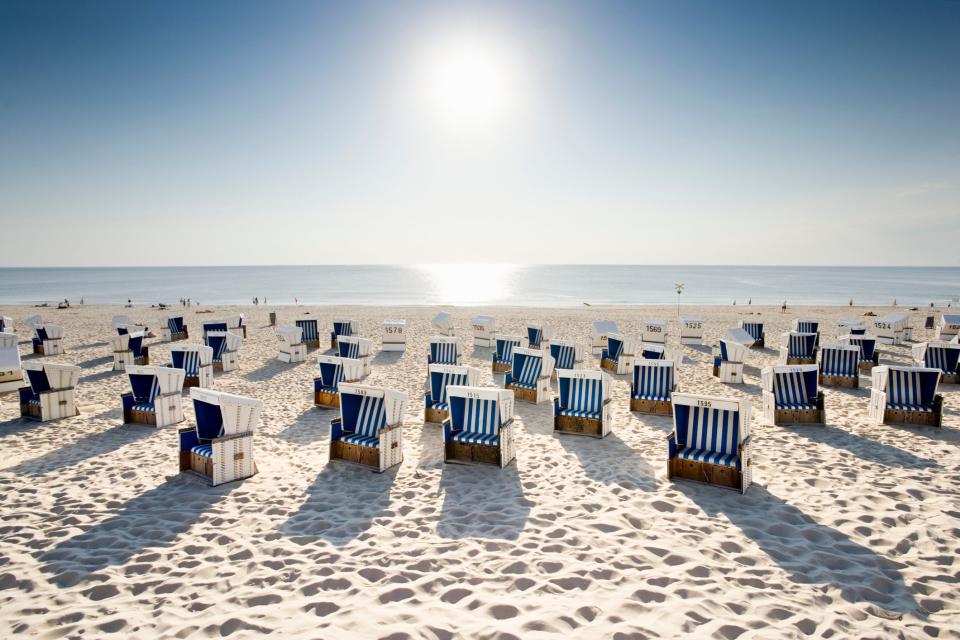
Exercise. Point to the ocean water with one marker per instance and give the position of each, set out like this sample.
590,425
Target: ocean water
467,284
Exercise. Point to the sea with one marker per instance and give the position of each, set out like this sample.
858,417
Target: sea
484,284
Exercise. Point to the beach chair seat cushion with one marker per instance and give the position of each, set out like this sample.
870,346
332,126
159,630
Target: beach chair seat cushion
472,437
711,457
580,413
34,401
144,406
524,385
440,406
372,442
796,406
205,450
660,397
910,407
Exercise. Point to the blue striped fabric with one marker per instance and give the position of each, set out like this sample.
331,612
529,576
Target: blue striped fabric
310,332
709,432
145,388
653,354
526,370
564,355
652,383
364,441
467,437
189,361
343,328
218,344
790,390
505,350
755,329
331,375
867,347
712,457
807,326
370,419
614,349
943,358
534,337
205,450
439,381
144,406
724,356
839,362
581,397
348,349
443,352
802,345
478,423
911,389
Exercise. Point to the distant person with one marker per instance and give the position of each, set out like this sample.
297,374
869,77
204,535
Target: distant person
749,301
894,302
783,307
264,301
734,303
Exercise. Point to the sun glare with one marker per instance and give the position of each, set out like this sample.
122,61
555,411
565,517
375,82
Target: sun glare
470,283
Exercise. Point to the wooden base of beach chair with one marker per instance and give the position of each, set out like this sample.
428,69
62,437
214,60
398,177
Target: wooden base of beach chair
333,344
191,381
759,344
811,360
203,466
915,418
471,453
312,344
950,378
715,474
655,407
848,382
435,416
608,364
578,426
140,417
325,399
522,393
355,454
798,416
502,367
866,367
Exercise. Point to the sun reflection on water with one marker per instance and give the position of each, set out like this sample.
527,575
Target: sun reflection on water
477,284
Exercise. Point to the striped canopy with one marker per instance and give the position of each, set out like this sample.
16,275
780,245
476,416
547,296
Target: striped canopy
309,328
443,376
840,360
652,380
583,392
565,354
505,347
792,386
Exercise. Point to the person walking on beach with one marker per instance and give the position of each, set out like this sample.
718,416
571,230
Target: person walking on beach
783,309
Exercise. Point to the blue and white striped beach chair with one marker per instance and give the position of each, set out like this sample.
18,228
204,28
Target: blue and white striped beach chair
906,395
798,348
652,387
369,430
357,349
503,355
539,336
529,378
226,350
710,441
213,325
480,426
220,447
619,355
129,349
292,348
869,354
196,360
154,398
341,328
754,329
445,350
11,373
728,361
943,356
50,395
840,366
583,404
566,355
174,330
311,333
333,371
436,406
790,395
801,325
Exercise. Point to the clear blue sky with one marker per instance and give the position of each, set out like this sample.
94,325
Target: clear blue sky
407,132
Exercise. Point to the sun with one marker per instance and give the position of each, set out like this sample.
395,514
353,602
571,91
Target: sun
467,82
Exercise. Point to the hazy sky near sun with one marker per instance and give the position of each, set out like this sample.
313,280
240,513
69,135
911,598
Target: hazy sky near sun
532,132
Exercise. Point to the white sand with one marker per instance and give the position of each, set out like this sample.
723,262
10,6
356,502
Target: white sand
850,530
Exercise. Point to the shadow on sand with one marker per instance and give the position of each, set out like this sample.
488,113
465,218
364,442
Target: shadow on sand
863,448
611,461
482,501
313,425
387,358
85,448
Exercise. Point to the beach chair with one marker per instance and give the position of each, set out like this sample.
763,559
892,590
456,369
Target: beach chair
394,335
710,441
123,326
292,348
310,332
213,325
905,395
601,330
50,395
943,356
484,331
128,349
791,396
529,378
445,350
850,327
503,355
893,328
196,361
226,350
840,366
654,382
691,330
340,328
220,446
369,430
356,348
154,398
654,331
798,348
947,329
11,374
650,351
436,405
175,330
236,326
480,426
728,361
538,336
754,329
869,354
619,355
566,355
48,339
807,326
443,324
6,324
333,371
583,404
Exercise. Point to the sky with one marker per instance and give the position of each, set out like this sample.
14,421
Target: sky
680,132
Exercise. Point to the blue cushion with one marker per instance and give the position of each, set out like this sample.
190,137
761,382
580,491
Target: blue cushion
364,441
910,407
523,385
440,406
34,401
795,406
144,406
650,396
594,415
469,437
205,450
702,455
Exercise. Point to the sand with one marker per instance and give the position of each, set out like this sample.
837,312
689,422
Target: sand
849,530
